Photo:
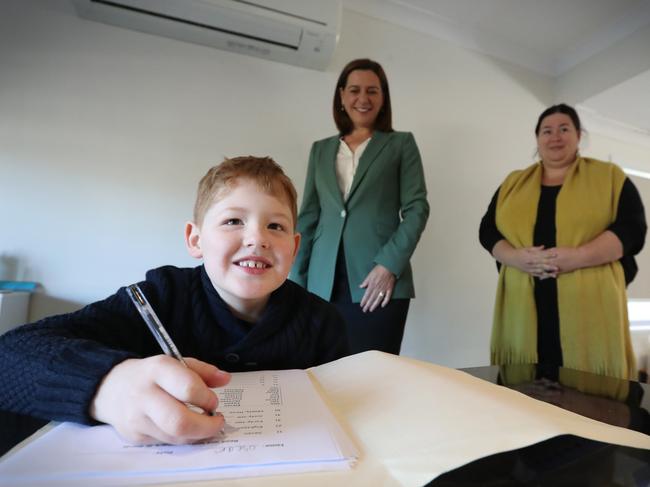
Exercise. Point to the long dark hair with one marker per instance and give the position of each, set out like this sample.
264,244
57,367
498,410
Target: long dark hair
384,121
560,108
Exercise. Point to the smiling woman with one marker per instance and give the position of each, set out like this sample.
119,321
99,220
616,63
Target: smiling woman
564,233
558,135
363,210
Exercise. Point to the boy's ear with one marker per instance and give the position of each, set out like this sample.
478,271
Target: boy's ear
193,240
296,238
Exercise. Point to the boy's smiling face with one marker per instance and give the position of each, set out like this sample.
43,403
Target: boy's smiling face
247,243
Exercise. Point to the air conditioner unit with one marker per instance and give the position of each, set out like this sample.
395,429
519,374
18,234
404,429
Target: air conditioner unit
298,32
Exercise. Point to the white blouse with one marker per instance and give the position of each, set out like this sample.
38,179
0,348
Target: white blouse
346,165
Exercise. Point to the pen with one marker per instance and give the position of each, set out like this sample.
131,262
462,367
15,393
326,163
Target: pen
153,322
156,327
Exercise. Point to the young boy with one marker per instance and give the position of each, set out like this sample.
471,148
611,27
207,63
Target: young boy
236,312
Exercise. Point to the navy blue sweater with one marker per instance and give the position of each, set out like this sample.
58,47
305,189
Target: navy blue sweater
51,368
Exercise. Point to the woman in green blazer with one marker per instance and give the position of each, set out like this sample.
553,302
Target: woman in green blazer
364,208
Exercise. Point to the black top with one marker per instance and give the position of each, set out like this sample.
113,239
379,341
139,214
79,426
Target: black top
630,225
51,369
549,348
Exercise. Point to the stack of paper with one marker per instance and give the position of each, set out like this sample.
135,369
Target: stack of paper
276,424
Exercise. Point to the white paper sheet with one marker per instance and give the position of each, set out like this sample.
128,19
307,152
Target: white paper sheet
276,423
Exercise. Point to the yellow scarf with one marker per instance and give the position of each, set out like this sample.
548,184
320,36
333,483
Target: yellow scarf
592,303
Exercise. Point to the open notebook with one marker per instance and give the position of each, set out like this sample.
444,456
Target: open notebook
276,423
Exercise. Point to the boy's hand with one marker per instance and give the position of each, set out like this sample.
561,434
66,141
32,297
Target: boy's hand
144,399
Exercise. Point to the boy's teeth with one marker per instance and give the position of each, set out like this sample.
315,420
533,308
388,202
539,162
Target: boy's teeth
252,263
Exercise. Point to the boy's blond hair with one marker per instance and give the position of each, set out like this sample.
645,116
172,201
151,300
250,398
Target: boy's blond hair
263,171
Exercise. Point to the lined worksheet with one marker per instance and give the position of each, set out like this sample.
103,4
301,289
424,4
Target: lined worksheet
253,406
275,423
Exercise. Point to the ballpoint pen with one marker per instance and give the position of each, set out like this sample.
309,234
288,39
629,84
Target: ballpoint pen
157,329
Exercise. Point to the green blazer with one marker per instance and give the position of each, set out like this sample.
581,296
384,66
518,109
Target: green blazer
380,223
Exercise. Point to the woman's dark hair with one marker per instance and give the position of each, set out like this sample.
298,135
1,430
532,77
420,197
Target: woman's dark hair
560,108
384,120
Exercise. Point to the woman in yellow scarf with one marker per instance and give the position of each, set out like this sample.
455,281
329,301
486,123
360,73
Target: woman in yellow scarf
564,232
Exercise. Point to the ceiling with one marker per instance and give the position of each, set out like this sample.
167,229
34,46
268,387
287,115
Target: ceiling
596,51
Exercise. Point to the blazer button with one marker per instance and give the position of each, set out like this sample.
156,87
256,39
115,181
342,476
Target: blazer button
233,358
343,213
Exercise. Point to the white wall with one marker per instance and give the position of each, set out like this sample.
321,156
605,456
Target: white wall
104,134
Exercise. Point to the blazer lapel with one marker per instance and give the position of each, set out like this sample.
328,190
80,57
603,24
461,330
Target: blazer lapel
376,144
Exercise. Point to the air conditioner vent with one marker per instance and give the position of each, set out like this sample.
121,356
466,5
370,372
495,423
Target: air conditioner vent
299,32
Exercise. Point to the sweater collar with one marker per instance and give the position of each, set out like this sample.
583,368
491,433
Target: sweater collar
246,333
